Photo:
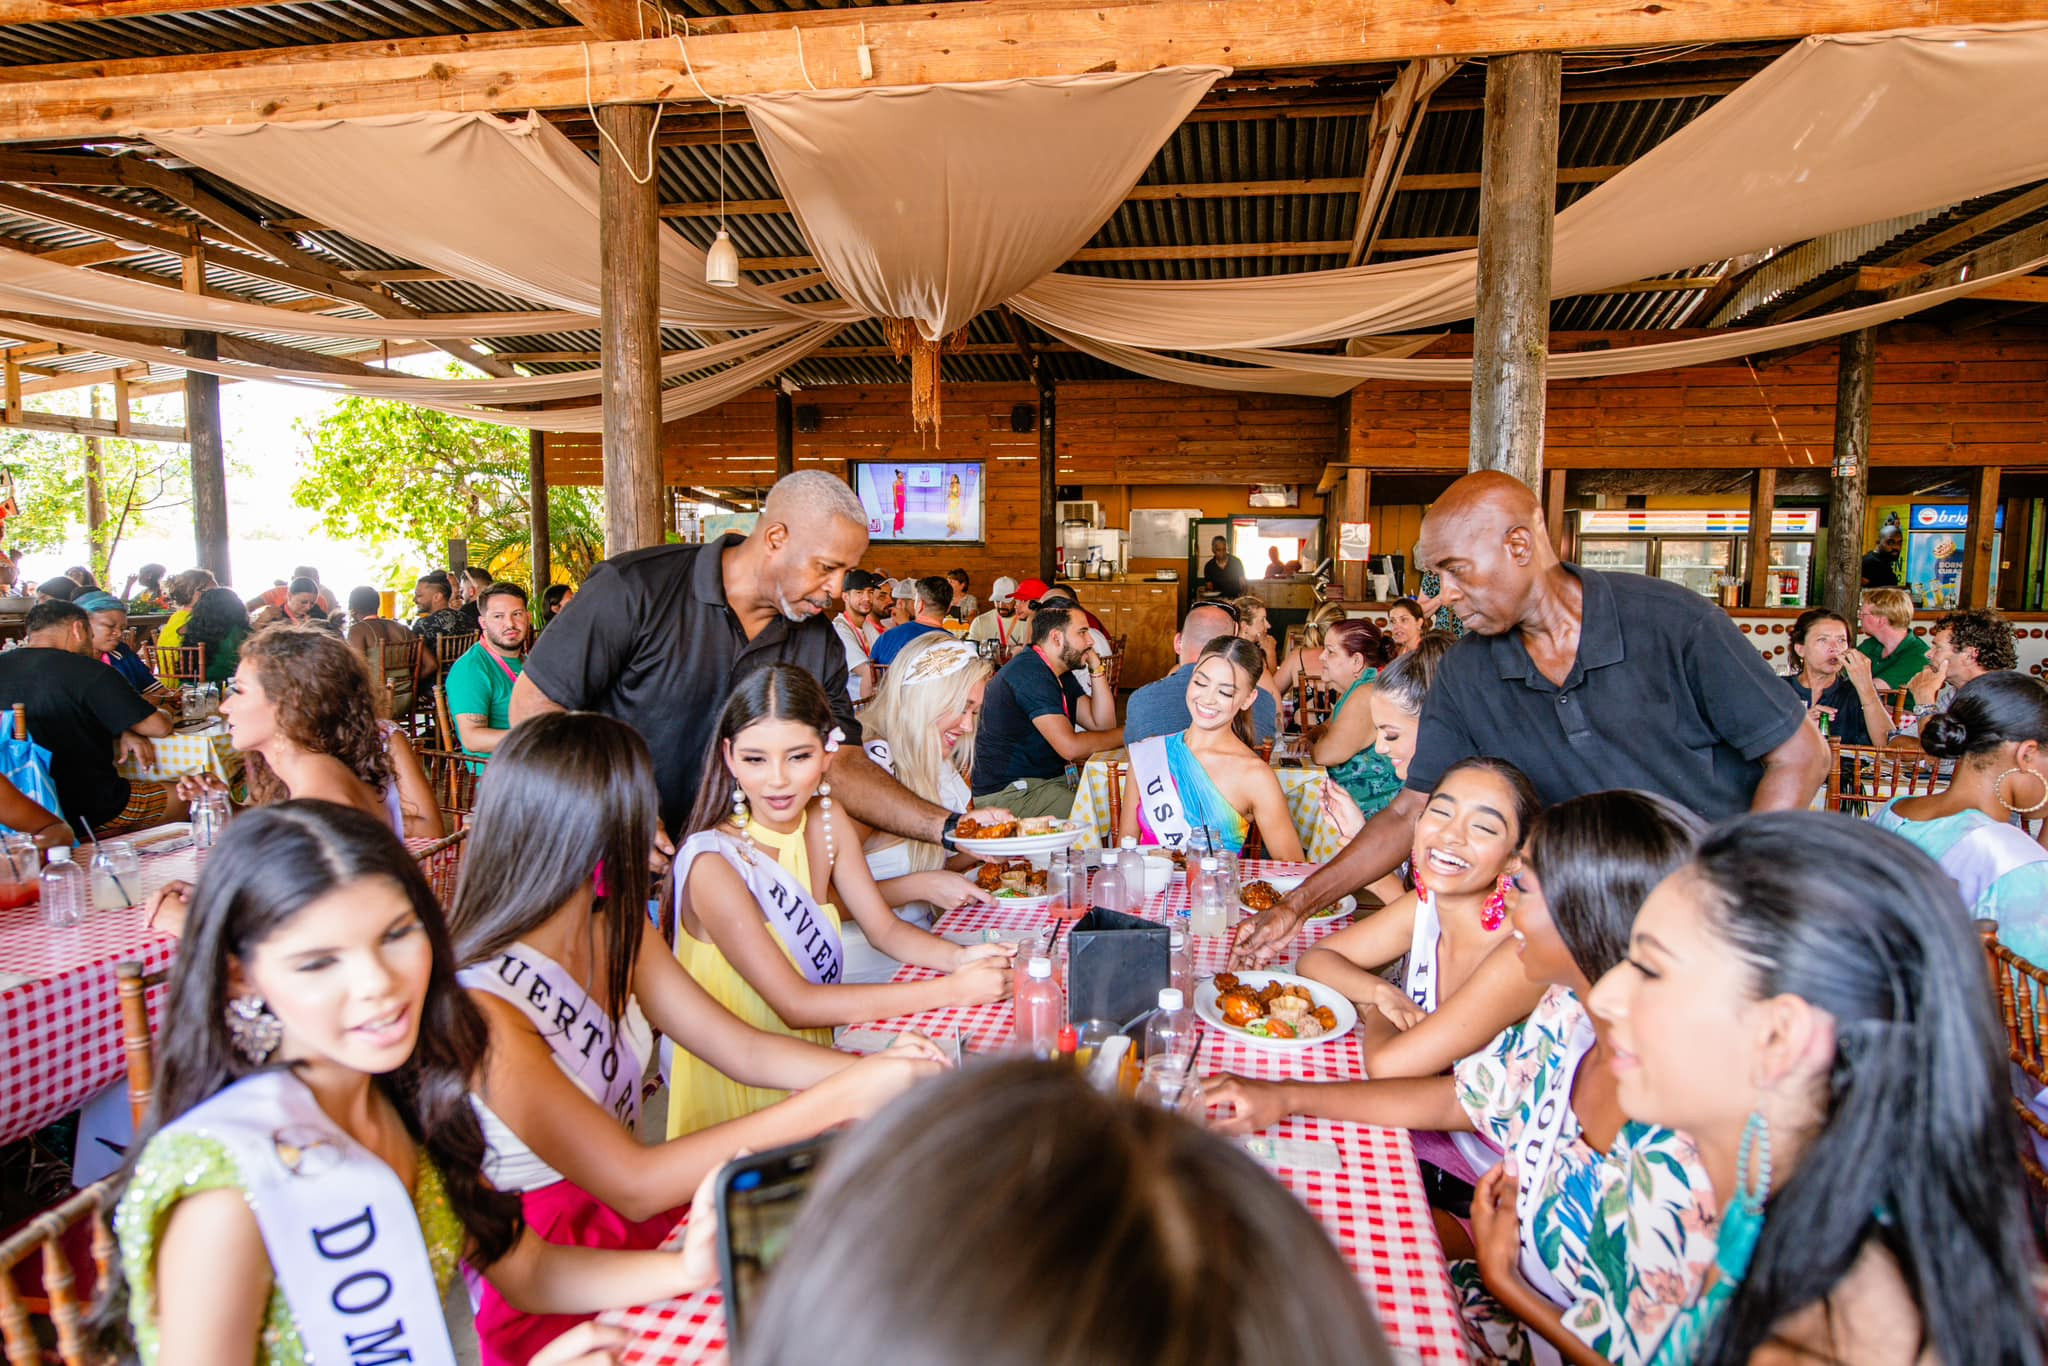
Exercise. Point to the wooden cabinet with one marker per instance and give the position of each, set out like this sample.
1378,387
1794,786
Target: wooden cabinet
1146,613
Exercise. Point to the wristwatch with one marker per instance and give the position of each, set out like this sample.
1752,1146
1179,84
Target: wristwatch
946,832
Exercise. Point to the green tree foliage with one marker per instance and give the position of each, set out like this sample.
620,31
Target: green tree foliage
387,473
145,485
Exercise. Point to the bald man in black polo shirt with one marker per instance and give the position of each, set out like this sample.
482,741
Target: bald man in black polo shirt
1584,680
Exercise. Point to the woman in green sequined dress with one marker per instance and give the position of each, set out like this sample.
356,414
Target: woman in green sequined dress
1344,743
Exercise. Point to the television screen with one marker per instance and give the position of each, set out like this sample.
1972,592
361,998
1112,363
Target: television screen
920,502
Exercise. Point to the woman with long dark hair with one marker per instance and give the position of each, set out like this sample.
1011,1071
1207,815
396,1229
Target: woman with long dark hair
310,1171
1210,776
220,622
761,883
1615,1232
1807,1001
553,898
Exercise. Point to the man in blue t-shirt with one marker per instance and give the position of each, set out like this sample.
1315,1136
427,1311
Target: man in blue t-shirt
1029,731
1161,708
934,596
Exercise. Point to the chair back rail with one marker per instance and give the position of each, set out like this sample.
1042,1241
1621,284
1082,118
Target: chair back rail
186,664
453,777
441,861
2021,994
449,648
45,1234
1113,667
444,724
395,665
1119,773
1869,774
1311,702
138,1049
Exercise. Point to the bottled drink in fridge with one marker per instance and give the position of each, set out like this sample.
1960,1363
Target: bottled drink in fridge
1170,1033
1038,1010
66,894
1208,914
1108,891
1180,965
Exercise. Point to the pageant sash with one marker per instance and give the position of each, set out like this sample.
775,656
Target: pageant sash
878,750
811,938
344,1240
597,1057
1534,1153
1986,854
1421,983
1158,795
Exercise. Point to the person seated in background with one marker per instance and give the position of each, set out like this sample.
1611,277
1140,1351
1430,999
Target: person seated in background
60,589
965,604
182,591
220,622
851,626
1345,744
1619,1217
1209,776
881,607
88,719
902,604
920,729
553,599
1885,616
109,623
1253,624
1305,660
301,607
86,580
145,590
472,582
934,596
1062,593
480,683
378,638
1161,707
1406,624
434,595
1032,716
1276,568
322,596
1222,572
1001,623
1881,564
1806,1001
10,578
1964,646
1011,1185
1396,704
1993,732
1833,681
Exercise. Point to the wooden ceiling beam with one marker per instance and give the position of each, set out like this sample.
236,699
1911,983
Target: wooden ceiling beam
1395,120
2026,289
949,44
611,20
131,67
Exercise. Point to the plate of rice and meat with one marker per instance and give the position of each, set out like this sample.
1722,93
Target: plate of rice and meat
1265,893
1275,1009
1013,837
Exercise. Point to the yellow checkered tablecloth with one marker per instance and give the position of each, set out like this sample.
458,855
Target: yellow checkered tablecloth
195,751
1303,788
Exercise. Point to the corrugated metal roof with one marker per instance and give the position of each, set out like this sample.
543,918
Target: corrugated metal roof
270,26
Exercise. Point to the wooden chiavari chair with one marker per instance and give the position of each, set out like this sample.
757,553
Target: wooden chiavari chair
395,666
448,649
186,664
1113,667
1867,775
1312,704
453,775
442,863
2021,992
60,1303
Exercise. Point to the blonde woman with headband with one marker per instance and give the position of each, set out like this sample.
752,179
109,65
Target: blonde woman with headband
920,727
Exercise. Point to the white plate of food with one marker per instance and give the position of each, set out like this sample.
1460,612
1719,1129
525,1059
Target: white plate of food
1003,839
1275,1009
1261,894
1013,882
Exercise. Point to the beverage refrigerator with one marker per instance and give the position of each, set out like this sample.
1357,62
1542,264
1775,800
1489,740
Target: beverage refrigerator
1699,548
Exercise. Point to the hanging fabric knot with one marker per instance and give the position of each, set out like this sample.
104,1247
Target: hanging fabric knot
904,339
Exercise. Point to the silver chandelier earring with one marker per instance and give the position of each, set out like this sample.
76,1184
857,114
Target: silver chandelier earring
252,1029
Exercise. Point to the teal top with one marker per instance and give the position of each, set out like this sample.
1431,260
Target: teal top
477,686
1201,800
223,659
1367,775
2000,870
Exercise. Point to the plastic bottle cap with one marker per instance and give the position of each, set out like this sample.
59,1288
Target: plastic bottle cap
1129,842
1208,865
1039,968
60,854
1171,999
1070,1039
1176,940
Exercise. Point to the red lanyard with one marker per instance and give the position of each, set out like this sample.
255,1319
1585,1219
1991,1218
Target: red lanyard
853,625
501,663
1057,684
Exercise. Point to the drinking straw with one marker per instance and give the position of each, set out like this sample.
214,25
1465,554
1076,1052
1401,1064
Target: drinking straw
119,886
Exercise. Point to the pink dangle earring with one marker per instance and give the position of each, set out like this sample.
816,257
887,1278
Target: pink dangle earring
1495,913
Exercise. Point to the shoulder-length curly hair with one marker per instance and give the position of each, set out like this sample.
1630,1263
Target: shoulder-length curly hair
321,689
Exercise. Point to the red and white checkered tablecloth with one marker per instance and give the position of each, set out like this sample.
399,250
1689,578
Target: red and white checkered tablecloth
1373,1208
60,1030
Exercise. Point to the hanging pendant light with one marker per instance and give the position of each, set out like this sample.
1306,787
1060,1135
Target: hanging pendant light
722,262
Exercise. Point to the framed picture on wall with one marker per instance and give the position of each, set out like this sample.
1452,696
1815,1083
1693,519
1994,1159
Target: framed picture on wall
1276,496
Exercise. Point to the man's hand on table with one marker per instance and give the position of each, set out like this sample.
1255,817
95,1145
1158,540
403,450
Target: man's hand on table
168,908
193,786
136,749
1248,1106
1268,934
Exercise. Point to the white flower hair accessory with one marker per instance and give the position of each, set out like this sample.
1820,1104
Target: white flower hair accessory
939,660
834,739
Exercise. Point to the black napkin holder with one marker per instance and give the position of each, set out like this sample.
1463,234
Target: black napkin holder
1116,966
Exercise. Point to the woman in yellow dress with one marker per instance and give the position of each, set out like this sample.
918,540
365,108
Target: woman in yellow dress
759,886
953,506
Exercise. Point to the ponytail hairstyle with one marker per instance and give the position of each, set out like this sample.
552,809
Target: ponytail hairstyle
1357,636
270,865
779,692
1245,657
1989,712
1405,682
1528,806
566,794
1917,1146
1597,857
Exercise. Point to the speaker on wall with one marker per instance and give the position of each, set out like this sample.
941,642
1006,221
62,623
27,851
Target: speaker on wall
1024,418
806,417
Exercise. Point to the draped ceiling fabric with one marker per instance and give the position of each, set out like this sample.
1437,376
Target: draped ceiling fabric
935,203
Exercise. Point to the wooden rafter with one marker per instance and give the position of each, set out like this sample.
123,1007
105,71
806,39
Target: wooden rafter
614,19
1395,119
949,43
130,67
2026,289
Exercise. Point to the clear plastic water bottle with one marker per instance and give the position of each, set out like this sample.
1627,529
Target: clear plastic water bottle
1171,1032
1227,882
1208,912
1180,964
1109,892
67,895
1039,1010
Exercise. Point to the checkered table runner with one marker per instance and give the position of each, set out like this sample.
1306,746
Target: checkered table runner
1373,1208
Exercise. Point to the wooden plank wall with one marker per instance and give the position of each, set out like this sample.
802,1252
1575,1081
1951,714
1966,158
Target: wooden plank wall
1978,398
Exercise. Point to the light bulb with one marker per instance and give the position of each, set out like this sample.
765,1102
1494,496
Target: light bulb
722,262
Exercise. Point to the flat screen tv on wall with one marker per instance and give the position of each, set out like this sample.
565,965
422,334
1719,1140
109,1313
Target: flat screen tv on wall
936,502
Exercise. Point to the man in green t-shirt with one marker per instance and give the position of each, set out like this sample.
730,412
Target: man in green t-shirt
1894,652
480,683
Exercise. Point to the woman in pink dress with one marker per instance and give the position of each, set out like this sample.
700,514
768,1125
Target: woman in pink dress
902,495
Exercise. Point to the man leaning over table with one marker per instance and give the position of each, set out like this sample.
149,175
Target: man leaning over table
668,631
1033,713
480,683
87,718
1584,680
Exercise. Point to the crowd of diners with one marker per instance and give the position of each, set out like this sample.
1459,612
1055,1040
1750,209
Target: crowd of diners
1694,1073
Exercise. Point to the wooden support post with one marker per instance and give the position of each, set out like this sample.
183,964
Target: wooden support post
1048,482
1978,561
785,433
209,459
540,556
1763,502
1517,201
124,417
1356,507
96,552
1553,508
13,391
629,222
1846,498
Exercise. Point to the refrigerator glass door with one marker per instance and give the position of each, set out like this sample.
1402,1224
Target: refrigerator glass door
1698,565
1623,556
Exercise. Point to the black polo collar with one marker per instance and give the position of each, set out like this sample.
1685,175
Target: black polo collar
1600,642
707,576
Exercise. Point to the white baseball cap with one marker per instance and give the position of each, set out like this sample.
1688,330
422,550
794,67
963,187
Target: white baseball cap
1100,642
1002,590
905,588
